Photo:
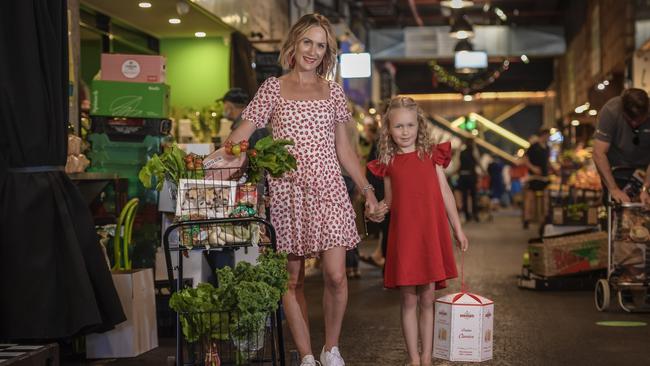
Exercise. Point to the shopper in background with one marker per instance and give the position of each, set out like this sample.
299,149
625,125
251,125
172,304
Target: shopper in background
234,103
420,255
537,161
468,178
310,208
378,256
622,139
497,182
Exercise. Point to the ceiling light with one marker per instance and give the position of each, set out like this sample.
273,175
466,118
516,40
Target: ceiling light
461,28
372,111
468,98
521,152
575,122
486,7
199,34
593,112
475,132
457,4
174,21
463,45
553,131
144,5
525,59
500,130
600,86
605,82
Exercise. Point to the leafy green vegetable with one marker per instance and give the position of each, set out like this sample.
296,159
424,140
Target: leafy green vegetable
168,165
270,155
239,306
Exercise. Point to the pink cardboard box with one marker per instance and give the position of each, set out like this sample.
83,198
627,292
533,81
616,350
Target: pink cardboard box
134,68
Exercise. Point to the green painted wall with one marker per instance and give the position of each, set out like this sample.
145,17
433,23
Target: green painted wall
91,51
197,70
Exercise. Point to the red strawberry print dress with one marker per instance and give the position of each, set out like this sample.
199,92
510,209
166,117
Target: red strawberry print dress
419,248
310,208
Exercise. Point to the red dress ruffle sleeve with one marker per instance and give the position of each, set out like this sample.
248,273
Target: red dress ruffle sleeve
377,168
442,154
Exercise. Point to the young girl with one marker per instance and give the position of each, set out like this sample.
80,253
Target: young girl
420,256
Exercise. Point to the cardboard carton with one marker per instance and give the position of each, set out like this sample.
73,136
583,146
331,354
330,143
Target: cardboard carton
569,254
139,333
124,99
133,68
463,328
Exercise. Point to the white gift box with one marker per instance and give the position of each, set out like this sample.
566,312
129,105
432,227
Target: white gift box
463,328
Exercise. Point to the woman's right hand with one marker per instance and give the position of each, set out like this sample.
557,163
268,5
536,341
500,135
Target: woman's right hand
220,162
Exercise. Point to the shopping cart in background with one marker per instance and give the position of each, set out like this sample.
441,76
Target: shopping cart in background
213,213
628,228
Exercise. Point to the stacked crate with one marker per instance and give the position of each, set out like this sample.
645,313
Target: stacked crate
130,117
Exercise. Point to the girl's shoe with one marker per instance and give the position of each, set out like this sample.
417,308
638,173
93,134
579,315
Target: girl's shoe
331,358
309,360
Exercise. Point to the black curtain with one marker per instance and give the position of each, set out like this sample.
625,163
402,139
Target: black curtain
54,281
242,74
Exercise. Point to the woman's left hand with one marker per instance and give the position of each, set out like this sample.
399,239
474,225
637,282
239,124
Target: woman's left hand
372,206
461,240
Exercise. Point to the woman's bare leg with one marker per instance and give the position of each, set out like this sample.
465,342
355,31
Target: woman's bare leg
335,296
295,306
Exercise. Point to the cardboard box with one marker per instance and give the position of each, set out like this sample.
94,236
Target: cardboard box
121,99
139,333
463,328
133,68
581,216
569,254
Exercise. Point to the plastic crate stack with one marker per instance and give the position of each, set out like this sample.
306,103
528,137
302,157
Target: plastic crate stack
130,117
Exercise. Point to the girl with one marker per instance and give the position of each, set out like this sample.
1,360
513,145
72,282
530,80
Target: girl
420,256
310,208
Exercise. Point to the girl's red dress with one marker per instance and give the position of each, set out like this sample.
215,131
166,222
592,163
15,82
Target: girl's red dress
420,248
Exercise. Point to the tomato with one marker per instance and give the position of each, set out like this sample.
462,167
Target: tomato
252,153
236,150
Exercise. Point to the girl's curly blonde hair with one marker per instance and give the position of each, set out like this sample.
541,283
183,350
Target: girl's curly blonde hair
387,147
288,51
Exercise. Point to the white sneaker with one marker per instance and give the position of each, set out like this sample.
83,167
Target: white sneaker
331,358
309,360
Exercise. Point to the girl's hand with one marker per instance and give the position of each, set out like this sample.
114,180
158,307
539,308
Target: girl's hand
372,207
461,240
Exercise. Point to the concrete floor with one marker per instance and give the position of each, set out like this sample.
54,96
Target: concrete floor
531,328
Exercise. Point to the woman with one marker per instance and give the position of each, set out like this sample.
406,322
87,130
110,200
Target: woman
310,208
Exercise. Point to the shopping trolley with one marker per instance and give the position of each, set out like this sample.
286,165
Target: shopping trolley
214,212
628,268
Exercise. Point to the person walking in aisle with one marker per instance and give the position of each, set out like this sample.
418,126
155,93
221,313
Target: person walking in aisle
420,256
310,208
468,178
537,161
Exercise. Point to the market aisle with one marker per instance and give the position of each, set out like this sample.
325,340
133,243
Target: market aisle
532,328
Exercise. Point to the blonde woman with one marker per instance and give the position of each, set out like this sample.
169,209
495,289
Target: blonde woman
310,208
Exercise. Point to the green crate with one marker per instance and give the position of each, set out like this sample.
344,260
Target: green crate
104,151
125,99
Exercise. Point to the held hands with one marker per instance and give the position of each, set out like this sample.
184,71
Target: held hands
461,240
373,208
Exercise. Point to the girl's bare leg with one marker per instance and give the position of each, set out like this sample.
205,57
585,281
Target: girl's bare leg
409,298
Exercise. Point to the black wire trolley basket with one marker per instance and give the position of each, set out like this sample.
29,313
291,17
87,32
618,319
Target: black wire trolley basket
216,210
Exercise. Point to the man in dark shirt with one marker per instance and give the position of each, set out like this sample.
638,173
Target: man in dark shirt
234,103
537,161
622,139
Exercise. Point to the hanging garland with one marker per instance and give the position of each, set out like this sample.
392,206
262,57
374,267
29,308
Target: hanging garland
465,86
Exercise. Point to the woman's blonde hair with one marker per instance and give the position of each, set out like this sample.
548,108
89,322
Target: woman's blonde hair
288,51
387,147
